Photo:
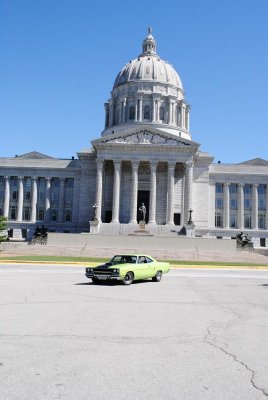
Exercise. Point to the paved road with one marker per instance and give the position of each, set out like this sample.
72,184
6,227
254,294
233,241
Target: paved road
199,334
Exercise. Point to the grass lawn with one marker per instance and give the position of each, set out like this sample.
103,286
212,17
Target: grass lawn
95,260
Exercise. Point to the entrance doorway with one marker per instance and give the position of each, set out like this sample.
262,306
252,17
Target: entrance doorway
143,197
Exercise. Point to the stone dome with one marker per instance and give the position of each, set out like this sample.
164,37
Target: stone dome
147,91
148,67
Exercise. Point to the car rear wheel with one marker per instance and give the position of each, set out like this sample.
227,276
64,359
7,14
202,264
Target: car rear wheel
95,280
157,277
128,278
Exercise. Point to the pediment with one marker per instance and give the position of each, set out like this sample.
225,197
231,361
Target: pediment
144,136
255,161
34,155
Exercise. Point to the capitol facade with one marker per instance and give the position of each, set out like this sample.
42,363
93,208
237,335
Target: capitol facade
145,154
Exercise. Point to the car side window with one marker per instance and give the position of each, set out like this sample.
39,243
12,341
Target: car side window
142,260
148,260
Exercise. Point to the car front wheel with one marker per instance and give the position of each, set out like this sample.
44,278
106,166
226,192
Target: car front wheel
157,277
128,278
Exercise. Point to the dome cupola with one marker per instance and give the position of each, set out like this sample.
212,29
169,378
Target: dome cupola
149,44
148,91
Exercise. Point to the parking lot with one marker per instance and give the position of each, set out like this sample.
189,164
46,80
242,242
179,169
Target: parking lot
198,334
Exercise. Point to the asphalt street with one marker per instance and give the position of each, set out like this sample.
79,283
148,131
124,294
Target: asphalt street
198,334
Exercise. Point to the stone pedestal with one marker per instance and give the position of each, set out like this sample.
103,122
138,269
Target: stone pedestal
190,230
94,226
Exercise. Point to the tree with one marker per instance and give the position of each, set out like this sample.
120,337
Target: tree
3,227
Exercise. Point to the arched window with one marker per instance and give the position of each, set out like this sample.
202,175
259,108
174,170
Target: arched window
131,112
162,114
146,112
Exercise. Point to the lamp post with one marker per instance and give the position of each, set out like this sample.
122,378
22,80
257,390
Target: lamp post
95,207
190,221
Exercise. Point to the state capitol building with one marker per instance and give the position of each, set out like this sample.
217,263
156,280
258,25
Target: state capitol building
145,154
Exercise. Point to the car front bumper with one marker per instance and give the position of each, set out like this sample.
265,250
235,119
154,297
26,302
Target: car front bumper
103,277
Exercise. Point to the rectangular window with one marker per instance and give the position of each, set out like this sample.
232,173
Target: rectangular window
261,221
40,214
13,212
247,204
54,215
218,220
27,196
14,195
263,242
219,203
233,204
233,188
26,213
261,189
247,189
233,221
219,187
247,222
262,205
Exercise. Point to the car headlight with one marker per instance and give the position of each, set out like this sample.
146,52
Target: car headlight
115,271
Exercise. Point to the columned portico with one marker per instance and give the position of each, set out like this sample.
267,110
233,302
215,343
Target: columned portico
7,196
241,206
188,189
34,199
61,200
153,166
116,191
226,205
266,202
20,198
47,200
170,202
99,188
255,206
134,192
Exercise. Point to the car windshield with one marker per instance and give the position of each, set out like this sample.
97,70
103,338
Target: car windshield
124,259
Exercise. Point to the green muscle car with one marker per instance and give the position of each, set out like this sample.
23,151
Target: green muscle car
128,268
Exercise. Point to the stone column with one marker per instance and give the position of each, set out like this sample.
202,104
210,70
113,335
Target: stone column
99,180
140,109
111,113
7,196
134,192
170,205
153,119
226,205
255,206
61,200
188,119
124,109
240,218
20,198
136,110
153,166
170,112
116,191
188,190
47,200
266,207
183,115
34,199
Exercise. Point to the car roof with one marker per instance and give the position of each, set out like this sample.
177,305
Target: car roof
133,255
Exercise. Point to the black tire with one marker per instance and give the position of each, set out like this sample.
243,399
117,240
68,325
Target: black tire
95,280
157,277
128,278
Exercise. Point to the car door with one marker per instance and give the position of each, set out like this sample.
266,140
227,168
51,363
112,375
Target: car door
141,268
150,267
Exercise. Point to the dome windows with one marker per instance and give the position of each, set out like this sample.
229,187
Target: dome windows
147,113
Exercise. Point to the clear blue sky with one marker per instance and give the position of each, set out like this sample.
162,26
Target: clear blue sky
59,59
